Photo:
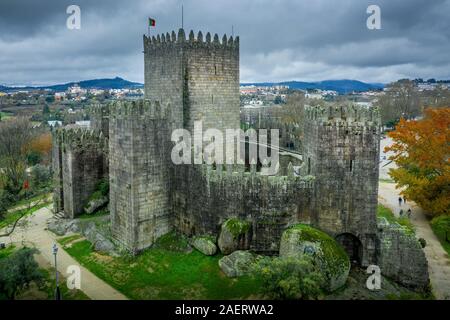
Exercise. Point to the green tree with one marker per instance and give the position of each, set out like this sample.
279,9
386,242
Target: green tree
17,272
401,100
290,278
46,110
15,138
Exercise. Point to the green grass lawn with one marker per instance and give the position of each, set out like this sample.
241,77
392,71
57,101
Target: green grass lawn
166,271
48,286
4,253
440,226
5,115
383,212
26,202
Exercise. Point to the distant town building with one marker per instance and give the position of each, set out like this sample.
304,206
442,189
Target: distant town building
76,90
85,124
60,96
54,123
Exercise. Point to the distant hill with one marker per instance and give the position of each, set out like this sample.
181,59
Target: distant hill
115,83
341,86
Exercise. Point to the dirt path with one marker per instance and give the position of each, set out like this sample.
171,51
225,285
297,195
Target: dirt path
32,231
438,260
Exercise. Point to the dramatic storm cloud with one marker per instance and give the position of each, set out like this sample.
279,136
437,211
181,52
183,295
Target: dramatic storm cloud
280,39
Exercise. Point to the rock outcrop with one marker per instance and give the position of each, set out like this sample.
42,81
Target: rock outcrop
401,257
235,234
328,255
205,246
237,264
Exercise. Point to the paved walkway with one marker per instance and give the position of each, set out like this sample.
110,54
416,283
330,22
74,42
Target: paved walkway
438,260
32,231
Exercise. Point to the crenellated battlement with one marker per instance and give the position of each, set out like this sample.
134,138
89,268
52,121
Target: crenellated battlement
221,173
98,110
75,138
350,115
142,108
175,40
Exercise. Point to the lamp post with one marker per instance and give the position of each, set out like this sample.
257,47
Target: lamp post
57,292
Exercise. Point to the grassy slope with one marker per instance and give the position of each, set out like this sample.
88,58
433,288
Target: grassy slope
164,272
440,225
383,212
11,217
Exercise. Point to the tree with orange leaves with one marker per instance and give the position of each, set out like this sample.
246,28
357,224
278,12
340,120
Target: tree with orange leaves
42,145
421,150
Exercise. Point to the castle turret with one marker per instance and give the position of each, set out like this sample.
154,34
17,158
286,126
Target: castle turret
99,115
341,149
139,160
79,164
198,78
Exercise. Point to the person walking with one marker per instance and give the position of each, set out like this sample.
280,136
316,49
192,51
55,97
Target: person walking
404,199
409,213
401,213
400,201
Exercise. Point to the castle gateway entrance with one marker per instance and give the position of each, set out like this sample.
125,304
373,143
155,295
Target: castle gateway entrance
352,245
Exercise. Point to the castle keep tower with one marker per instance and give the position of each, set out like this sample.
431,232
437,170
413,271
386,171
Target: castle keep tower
198,77
139,172
341,149
80,162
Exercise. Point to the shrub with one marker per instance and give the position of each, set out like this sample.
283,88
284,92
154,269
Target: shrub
290,278
17,271
40,177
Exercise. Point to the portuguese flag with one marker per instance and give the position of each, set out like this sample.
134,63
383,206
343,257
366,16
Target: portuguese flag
151,22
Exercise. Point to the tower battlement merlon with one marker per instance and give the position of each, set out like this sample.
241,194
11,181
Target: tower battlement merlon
98,110
209,41
143,108
76,138
350,114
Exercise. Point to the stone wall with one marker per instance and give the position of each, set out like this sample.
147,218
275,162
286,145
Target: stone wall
99,115
400,256
80,162
203,198
58,195
139,177
341,149
198,77
163,72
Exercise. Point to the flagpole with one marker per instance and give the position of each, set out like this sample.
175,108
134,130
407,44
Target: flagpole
182,17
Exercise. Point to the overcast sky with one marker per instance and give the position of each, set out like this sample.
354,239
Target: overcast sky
306,40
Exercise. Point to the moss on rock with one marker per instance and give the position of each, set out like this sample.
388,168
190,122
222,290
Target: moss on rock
234,235
329,256
237,226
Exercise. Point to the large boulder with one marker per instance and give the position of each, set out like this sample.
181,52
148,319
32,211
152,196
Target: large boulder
401,257
237,264
205,246
57,227
98,240
327,254
235,234
62,226
95,204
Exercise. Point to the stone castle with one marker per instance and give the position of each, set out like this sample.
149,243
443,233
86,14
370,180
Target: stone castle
332,185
